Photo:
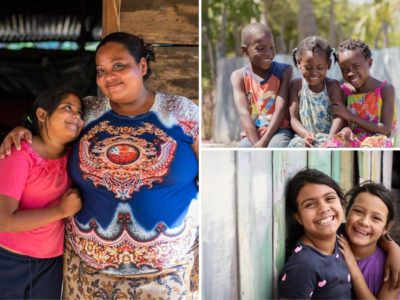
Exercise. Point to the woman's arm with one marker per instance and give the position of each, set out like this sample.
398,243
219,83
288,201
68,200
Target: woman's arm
12,219
195,147
14,137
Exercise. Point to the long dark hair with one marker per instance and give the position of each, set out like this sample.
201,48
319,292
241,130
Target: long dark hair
293,187
49,101
134,44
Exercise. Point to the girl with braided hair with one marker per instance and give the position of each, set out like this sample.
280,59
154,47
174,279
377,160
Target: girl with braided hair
370,102
311,96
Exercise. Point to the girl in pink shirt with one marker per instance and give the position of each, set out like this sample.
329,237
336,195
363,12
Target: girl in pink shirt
35,197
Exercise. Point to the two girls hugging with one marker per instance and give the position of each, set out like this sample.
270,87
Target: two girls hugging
331,260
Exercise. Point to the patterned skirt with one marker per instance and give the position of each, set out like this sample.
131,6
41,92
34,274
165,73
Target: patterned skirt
345,141
84,282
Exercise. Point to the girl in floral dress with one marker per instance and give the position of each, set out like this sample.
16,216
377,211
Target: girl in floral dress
311,96
370,111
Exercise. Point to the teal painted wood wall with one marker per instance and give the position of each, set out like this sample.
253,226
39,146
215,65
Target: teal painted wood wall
243,215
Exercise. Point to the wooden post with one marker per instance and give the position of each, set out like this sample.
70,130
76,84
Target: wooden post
111,16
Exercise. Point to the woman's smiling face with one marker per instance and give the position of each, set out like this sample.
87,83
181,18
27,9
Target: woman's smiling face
119,76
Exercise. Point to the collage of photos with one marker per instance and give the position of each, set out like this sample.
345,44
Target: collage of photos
314,211
128,167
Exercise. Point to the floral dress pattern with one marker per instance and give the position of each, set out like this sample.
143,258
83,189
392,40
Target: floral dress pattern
367,106
315,115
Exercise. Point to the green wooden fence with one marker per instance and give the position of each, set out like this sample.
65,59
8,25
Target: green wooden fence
243,215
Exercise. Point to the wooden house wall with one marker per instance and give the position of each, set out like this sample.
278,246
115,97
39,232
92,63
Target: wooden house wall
172,26
243,212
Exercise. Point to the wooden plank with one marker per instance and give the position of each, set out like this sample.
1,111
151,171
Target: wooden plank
343,169
321,160
387,168
255,223
162,21
219,275
285,165
175,71
376,165
111,16
364,165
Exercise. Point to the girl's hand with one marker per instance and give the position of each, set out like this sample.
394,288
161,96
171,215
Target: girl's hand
308,139
261,131
258,144
340,110
347,132
14,138
70,203
346,251
392,266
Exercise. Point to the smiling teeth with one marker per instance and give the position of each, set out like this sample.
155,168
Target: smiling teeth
327,220
360,231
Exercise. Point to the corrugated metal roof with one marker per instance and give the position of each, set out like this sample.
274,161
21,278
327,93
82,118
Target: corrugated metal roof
47,20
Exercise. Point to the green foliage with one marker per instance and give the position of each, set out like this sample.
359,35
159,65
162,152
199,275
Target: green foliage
221,38
375,22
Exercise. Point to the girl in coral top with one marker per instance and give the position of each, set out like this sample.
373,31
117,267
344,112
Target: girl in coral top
35,197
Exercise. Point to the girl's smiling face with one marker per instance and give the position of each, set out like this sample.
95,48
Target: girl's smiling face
65,123
366,220
313,67
354,67
319,211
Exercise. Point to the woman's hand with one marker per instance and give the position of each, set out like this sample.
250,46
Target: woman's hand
14,138
70,203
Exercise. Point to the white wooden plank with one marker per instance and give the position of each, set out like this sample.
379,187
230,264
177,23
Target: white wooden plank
219,267
387,168
285,164
376,165
364,165
254,223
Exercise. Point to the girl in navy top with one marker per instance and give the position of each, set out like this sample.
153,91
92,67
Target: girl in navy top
316,268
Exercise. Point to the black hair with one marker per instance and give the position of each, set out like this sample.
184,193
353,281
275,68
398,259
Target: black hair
49,101
376,189
250,29
134,44
313,44
351,44
305,176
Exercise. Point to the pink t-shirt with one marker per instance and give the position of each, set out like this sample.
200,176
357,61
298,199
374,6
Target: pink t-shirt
36,182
